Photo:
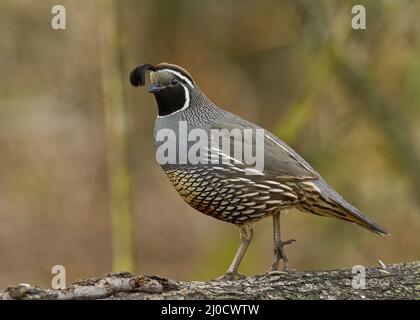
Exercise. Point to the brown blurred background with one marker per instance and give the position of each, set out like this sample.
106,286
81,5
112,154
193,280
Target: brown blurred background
78,182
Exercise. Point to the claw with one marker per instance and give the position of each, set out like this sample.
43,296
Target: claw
231,276
279,254
290,241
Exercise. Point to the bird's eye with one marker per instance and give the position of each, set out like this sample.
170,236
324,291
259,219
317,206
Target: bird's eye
174,82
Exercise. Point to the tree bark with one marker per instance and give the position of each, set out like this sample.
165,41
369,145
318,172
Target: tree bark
397,281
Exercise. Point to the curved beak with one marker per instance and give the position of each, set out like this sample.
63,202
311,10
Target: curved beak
153,88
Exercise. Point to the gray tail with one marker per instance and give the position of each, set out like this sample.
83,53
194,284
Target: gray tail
330,204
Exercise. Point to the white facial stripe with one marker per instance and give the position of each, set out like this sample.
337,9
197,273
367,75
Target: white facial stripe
186,104
181,76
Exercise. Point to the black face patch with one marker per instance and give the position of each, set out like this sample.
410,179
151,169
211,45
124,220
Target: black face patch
170,99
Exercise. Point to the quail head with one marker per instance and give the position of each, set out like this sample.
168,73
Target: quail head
218,181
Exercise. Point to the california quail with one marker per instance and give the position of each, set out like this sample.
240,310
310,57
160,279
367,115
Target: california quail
230,191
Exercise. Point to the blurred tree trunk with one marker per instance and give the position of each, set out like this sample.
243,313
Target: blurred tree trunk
116,125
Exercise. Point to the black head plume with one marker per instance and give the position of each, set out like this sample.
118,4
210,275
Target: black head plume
137,76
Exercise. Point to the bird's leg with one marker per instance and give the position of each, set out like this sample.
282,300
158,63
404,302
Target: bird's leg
279,253
246,232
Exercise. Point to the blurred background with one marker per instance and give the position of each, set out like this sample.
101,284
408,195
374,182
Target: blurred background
79,185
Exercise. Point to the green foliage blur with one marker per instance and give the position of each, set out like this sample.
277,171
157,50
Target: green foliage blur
79,184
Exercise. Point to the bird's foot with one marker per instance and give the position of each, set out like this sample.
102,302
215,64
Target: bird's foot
279,254
231,276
